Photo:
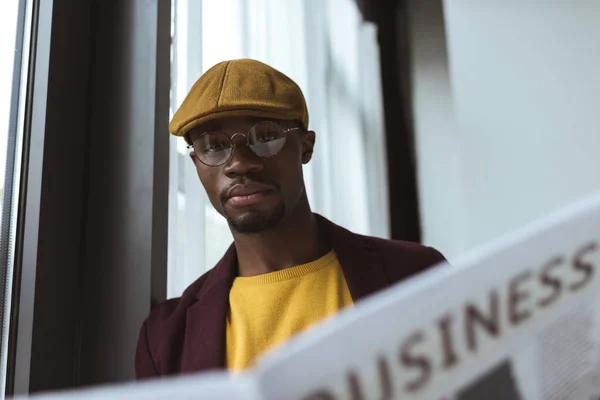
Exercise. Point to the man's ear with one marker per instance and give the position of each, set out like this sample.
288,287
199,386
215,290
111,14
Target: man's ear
308,145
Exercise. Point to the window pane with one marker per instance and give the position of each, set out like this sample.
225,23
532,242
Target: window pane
326,48
14,28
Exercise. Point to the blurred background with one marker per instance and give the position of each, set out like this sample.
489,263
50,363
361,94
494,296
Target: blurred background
448,123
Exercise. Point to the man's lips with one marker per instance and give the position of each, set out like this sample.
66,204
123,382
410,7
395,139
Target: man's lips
248,194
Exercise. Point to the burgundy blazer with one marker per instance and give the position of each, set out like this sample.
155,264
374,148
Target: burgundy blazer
187,334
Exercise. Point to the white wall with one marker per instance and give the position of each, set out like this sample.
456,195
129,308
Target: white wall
518,121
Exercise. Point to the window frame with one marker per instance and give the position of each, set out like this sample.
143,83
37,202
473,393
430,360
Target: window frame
91,254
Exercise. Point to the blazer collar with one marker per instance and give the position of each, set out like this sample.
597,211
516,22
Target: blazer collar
206,318
204,346
360,263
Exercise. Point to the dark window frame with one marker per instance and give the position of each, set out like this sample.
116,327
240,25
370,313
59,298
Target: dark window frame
394,41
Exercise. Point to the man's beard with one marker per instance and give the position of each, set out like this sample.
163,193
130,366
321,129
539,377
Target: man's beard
255,221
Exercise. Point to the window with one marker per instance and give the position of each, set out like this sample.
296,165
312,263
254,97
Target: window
332,54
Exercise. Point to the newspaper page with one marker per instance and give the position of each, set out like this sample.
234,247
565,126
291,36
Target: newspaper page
518,319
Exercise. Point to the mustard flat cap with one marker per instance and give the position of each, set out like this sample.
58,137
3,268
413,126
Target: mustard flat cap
240,88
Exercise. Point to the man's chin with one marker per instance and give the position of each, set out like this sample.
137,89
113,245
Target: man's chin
256,221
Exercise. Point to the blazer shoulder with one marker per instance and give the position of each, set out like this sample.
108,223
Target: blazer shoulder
402,259
406,248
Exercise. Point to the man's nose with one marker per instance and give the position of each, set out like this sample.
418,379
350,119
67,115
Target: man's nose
243,160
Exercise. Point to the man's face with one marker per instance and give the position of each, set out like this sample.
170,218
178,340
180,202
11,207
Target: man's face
255,193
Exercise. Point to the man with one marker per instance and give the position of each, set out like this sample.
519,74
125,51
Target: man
247,127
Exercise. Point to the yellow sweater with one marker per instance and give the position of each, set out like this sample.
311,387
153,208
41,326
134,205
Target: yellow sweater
265,310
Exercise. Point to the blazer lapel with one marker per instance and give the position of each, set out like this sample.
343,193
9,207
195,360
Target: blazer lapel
204,346
361,266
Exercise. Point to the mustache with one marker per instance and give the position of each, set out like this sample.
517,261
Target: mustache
243,180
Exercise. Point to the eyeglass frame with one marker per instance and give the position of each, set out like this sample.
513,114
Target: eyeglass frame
246,136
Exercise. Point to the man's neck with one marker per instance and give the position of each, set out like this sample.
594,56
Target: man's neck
295,241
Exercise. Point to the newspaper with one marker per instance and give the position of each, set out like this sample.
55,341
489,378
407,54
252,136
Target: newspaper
516,319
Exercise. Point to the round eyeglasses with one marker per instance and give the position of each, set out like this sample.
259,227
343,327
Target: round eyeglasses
215,148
